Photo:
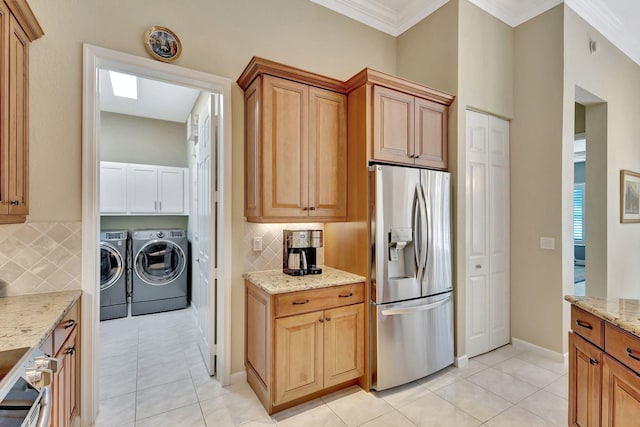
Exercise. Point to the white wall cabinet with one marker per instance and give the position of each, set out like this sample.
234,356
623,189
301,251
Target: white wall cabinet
136,189
487,231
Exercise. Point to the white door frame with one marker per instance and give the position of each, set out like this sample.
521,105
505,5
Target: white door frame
95,58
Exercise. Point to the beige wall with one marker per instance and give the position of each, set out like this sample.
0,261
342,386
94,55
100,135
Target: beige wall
615,79
132,139
536,178
218,37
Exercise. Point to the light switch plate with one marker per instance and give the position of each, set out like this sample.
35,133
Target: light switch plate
548,243
257,243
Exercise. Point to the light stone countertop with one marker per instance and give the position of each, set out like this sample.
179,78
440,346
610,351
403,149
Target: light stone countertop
277,282
622,312
26,320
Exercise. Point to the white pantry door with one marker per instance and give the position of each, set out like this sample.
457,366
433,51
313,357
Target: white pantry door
206,265
487,227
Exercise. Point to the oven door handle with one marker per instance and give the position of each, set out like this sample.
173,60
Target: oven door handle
44,420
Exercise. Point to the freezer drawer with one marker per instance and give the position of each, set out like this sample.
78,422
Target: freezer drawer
411,340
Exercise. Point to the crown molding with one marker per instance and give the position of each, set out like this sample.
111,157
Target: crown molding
600,17
514,13
415,11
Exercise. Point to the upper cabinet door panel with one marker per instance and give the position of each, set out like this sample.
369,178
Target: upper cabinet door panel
143,189
285,147
171,190
327,153
393,126
252,152
430,134
113,188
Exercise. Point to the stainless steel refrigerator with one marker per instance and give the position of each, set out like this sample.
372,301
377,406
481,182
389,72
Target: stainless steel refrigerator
411,284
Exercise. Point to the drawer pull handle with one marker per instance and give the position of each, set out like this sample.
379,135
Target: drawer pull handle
70,323
630,354
300,302
349,295
594,362
583,324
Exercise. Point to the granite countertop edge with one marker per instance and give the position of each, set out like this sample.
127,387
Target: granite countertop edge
277,282
41,330
597,306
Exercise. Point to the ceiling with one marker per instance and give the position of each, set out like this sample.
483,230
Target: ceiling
156,100
617,20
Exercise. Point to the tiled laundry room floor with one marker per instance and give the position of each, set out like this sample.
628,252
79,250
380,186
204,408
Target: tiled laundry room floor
151,374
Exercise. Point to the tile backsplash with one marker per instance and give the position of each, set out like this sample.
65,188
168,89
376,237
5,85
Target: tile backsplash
270,258
40,257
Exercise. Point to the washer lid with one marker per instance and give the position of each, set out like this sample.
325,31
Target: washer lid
111,265
160,262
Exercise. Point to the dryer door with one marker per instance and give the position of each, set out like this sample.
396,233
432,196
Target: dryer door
111,265
159,262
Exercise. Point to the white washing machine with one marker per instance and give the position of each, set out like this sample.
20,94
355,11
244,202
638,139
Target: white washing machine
159,270
113,274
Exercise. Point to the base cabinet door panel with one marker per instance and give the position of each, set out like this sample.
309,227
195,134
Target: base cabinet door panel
343,344
620,395
299,356
585,382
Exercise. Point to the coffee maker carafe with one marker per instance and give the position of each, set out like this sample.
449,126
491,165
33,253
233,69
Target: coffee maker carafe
299,251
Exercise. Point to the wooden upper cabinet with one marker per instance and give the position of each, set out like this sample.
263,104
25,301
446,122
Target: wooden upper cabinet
18,27
295,145
408,129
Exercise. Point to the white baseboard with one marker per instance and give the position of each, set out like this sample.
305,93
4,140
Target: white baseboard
461,362
238,377
527,346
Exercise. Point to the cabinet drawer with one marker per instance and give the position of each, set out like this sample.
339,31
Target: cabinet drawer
623,346
318,299
65,327
588,326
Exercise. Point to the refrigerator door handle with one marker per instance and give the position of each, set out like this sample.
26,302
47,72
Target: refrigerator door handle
395,311
416,231
422,232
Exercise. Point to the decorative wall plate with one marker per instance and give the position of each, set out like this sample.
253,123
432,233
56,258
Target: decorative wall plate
162,44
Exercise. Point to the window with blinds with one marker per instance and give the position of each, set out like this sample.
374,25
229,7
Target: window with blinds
578,213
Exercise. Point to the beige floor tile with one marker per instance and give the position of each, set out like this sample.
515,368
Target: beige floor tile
188,416
433,411
117,411
472,367
259,423
156,400
548,406
504,385
543,362
516,416
391,419
473,399
320,416
560,387
297,410
116,386
358,408
527,372
442,378
401,395
238,404
498,355
150,376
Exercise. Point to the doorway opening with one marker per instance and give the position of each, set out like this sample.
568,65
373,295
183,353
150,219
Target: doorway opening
590,194
206,215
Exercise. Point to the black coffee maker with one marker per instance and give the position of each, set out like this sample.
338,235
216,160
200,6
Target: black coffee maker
299,251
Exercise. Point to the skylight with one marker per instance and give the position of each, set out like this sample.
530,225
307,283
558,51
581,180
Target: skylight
124,85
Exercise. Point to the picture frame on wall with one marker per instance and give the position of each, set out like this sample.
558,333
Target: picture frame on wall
162,44
629,196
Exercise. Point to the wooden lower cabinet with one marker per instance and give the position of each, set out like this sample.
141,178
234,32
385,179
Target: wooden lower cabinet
620,395
64,345
585,382
294,357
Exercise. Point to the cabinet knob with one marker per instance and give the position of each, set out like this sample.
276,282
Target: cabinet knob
478,266
14,203
594,362
305,208
70,350
328,319
321,320
312,208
